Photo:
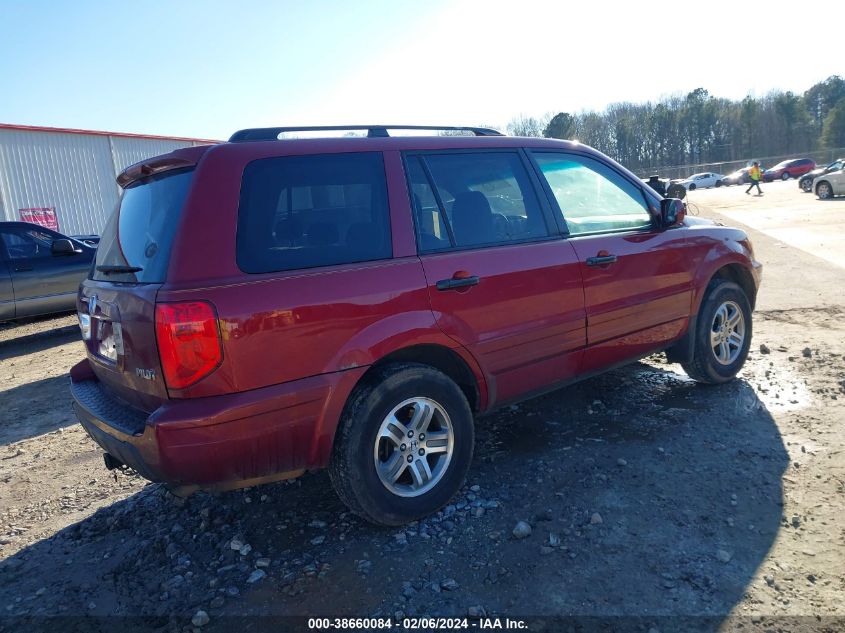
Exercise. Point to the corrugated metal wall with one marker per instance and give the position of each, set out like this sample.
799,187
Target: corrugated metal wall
73,173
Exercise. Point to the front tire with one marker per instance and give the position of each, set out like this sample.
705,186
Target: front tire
806,185
692,187
784,176
404,444
824,191
723,334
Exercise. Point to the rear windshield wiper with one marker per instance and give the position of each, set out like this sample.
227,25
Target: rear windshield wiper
115,270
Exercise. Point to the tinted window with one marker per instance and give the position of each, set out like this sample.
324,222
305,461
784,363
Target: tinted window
27,243
591,196
140,232
307,211
432,231
486,198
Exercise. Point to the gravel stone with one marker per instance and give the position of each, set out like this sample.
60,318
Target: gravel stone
522,530
449,584
200,618
255,576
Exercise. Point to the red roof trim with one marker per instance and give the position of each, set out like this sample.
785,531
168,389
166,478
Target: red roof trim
64,130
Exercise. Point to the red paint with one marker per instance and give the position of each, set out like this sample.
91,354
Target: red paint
295,344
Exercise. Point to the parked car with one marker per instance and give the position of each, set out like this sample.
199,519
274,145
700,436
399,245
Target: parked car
830,184
806,181
40,270
738,177
786,169
701,181
354,303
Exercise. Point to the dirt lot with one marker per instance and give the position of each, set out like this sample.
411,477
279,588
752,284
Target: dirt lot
670,505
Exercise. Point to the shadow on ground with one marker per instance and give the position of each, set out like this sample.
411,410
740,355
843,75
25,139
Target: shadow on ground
35,408
648,496
13,345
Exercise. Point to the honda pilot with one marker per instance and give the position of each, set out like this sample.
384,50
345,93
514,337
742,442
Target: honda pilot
270,306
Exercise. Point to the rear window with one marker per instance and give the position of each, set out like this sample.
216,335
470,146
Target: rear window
135,245
309,211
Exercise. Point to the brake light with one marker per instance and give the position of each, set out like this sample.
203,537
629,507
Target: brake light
188,342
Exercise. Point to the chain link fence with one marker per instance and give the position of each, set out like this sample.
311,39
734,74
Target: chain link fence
822,157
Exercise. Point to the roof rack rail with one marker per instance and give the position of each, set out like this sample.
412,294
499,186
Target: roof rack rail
377,131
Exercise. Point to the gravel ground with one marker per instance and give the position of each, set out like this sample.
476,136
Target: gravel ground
636,494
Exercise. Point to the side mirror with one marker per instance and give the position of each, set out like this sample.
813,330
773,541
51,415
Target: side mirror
64,247
672,211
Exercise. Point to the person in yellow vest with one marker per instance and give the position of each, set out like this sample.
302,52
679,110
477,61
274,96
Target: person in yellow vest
755,174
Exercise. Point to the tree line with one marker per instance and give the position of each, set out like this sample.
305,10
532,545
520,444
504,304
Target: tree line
701,128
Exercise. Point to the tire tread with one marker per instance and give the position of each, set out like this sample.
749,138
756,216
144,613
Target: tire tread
341,470
697,367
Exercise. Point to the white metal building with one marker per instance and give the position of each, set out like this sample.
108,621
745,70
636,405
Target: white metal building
70,173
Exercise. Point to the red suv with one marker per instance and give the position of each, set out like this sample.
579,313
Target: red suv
264,307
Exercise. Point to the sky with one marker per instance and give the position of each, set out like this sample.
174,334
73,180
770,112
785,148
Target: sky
207,68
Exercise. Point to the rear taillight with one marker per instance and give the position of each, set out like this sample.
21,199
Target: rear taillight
188,342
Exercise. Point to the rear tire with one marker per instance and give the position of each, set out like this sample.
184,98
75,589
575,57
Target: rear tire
723,334
382,426
806,185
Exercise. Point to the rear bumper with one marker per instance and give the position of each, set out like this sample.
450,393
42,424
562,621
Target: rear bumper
222,440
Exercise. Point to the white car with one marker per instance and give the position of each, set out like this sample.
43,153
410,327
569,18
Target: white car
701,181
830,184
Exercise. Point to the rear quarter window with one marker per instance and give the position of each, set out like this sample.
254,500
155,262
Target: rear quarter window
301,212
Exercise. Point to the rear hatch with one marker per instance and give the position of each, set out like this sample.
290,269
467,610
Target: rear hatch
117,301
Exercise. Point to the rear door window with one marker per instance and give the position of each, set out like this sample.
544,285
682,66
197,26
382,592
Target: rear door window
136,242
309,211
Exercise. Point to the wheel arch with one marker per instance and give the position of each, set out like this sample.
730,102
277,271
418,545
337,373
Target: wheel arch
443,359
741,276
682,350
463,371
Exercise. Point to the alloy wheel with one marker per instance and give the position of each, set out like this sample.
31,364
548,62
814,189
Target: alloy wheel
727,332
413,447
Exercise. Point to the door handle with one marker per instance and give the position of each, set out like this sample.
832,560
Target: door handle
461,282
22,269
601,260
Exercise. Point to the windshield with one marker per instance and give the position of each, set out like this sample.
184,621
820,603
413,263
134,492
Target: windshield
135,245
